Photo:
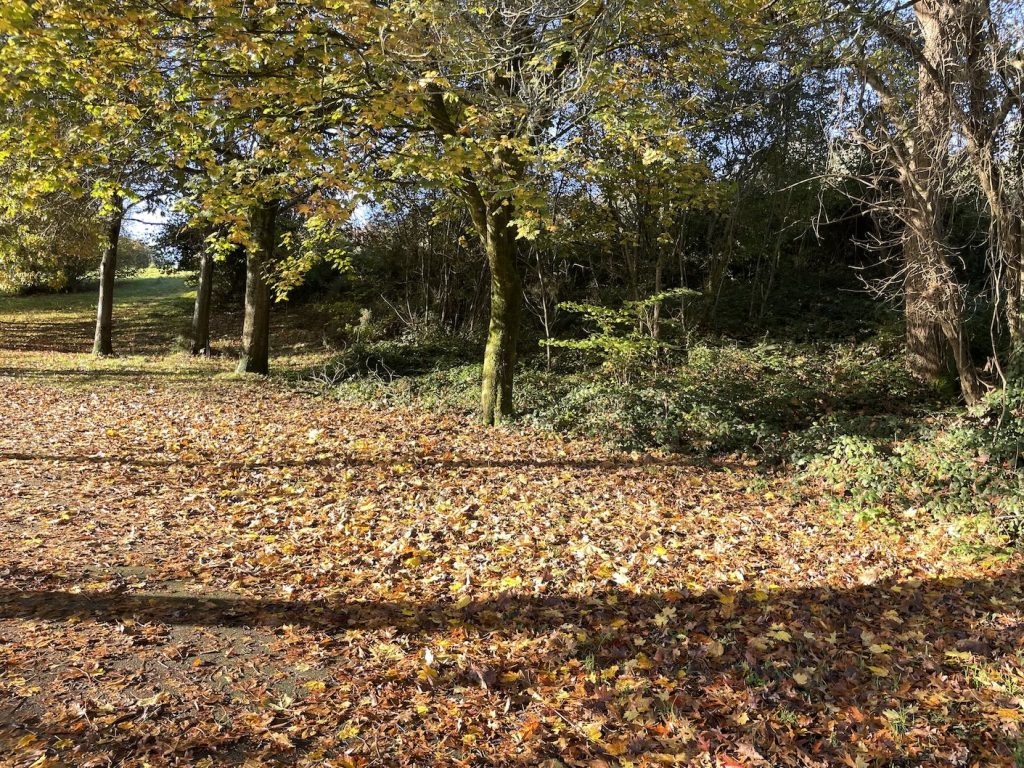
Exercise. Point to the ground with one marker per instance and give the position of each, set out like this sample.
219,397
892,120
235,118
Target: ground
201,569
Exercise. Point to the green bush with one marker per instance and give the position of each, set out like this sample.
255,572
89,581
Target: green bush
623,339
49,245
764,399
848,416
949,466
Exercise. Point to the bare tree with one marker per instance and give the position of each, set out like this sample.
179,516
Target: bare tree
969,62
907,130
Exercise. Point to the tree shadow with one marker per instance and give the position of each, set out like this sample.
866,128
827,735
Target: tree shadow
98,374
831,666
944,605
148,335
419,461
391,361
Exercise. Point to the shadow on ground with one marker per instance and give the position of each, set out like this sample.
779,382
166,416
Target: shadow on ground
339,461
944,609
810,653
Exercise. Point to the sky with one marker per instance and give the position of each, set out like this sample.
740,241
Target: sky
143,224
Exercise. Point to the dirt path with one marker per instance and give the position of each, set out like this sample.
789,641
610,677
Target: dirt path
205,571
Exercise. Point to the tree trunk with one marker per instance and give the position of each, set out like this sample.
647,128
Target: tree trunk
1006,244
970,383
927,355
996,150
103,343
506,308
934,296
201,313
256,326
1012,218
721,254
1013,254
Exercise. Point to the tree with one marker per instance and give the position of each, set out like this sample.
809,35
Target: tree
906,123
222,102
204,299
488,101
933,294
103,342
267,108
251,125
79,124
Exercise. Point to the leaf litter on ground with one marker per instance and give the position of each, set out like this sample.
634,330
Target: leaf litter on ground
209,571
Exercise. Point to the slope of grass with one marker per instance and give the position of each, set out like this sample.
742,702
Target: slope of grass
152,316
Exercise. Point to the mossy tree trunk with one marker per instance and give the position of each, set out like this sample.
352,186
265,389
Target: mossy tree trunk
492,214
256,325
499,242
201,313
103,342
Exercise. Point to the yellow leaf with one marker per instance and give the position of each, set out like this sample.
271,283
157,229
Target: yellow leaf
616,747
608,674
348,732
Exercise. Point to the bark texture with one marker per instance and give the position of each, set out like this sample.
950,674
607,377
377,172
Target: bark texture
256,325
927,352
103,342
506,309
934,297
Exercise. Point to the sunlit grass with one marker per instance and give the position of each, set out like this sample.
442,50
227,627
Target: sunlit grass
135,294
49,336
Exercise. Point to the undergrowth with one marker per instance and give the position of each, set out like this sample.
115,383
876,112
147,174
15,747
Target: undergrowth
948,466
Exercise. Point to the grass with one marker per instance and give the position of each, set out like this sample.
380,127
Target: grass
149,311
152,317
149,287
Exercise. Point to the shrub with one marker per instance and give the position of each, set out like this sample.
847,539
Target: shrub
950,466
50,245
624,339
